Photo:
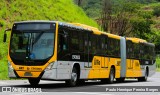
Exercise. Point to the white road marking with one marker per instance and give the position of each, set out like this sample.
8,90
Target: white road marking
3,82
91,93
34,93
44,81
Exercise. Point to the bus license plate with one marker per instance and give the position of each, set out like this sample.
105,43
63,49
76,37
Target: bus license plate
27,74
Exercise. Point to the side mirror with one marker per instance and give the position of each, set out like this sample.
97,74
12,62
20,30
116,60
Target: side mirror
4,37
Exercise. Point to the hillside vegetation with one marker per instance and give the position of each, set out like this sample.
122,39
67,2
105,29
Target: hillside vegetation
93,8
133,18
19,10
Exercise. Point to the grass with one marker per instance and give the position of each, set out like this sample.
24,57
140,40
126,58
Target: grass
3,70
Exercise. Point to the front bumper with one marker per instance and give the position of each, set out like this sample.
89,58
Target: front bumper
51,72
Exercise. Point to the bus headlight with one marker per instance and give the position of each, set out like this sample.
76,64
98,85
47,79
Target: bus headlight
10,66
49,67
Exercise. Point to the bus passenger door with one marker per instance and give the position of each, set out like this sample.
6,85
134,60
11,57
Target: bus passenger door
63,45
105,60
87,44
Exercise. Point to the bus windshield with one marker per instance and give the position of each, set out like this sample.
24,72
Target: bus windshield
32,44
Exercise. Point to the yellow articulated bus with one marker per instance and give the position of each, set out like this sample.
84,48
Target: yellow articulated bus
73,52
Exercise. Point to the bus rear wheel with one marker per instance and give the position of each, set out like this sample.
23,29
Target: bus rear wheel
111,76
34,81
74,77
145,77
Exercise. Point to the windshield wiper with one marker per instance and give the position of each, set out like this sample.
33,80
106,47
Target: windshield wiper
38,37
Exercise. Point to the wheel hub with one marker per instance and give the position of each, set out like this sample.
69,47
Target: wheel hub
74,77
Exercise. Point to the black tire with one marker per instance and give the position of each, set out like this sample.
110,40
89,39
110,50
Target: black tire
74,77
34,81
111,76
120,80
144,78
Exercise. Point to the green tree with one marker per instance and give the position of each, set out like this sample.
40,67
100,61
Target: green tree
156,11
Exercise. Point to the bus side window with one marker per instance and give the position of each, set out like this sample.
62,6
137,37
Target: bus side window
86,44
98,44
81,41
136,50
103,45
106,46
74,41
93,41
63,39
129,49
141,51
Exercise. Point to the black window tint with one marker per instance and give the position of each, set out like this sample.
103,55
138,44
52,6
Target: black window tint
98,42
110,47
141,51
117,47
130,52
81,41
148,52
113,47
74,41
90,44
63,43
103,45
63,40
136,51
85,42
106,46
94,49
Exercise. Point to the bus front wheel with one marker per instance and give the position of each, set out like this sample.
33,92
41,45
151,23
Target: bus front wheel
34,81
74,77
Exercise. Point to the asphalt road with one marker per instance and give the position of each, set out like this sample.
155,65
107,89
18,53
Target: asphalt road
130,86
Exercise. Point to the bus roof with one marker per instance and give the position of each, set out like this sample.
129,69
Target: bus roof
86,27
136,40
36,21
96,31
